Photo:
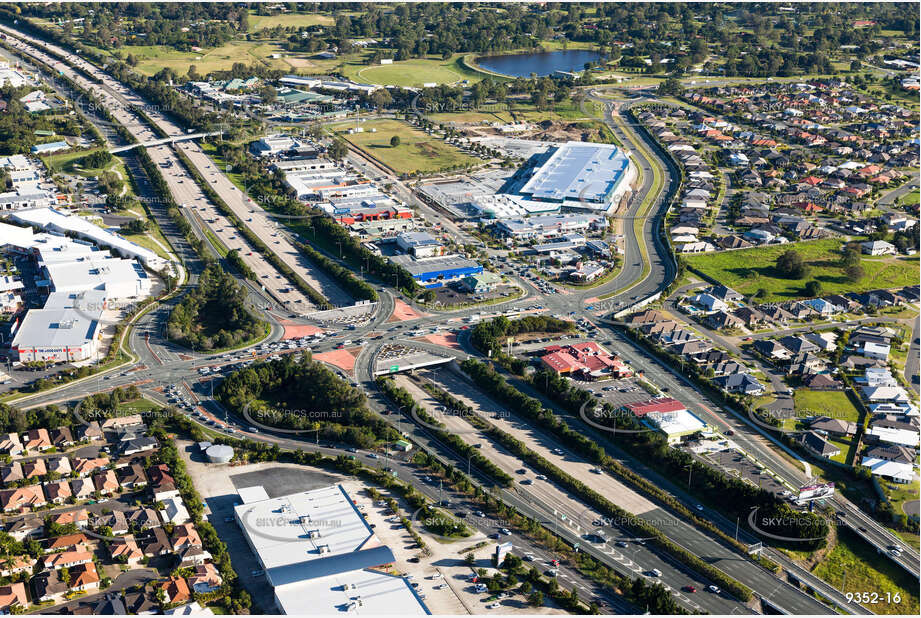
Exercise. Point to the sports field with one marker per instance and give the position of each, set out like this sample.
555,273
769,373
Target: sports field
750,270
417,151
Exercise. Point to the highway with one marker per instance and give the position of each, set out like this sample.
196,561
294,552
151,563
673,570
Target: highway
162,365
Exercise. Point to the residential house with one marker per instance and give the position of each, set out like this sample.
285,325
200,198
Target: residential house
878,351
175,590
84,578
14,565
141,603
11,473
48,586
822,382
725,294
67,559
154,542
58,465
817,445
833,426
739,383
120,423
68,542
10,444
750,316
191,556
138,444
798,345
34,469
115,521
13,599
878,247
37,440
82,489
126,551
893,432
86,466
824,341
78,517
206,579
58,492
90,432
161,482
143,518
132,476
185,535
62,437
772,350
20,498
723,320
28,526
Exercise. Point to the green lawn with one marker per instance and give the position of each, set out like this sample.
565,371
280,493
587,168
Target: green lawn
834,404
854,566
259,22
749,270
153,58
417,151
911,198
413,73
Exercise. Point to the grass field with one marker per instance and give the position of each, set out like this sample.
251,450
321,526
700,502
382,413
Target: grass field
834,404
413,73
417,151
258,22
911,198
153,58
749,270
854,566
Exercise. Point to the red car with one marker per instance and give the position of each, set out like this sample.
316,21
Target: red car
689,589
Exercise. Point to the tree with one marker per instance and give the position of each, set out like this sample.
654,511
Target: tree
854,272
536,598
337,150
381,98
394,141
790,265
813,288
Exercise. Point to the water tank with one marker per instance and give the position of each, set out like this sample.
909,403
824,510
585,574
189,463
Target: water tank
219,453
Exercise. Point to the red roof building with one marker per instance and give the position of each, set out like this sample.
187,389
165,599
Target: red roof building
661,404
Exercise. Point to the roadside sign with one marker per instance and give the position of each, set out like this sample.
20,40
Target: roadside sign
394,368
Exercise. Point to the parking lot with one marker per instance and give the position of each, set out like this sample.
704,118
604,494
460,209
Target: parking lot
736,464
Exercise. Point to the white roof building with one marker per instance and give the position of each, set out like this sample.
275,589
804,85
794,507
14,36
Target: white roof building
319,554
897,471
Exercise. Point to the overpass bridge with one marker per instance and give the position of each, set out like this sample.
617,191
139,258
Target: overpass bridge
165,140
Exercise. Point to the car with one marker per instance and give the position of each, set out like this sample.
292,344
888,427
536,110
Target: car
414,559
689,588
521,471
373,456
621,544
713,589
699,507
541,477
596,470
505,531
528,558
552,572
655,573
527,482
493,605
479,513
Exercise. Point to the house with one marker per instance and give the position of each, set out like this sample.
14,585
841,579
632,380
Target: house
821,306
143,518
20,498
132,476
126,551
750,316
84,577
895,471
29,526
877,247
141,603
772,349
189,609
206,579
62,437
90,432
58,465
110,604
119,423
116,521
68,542
709,302
154,542
10,444
82,489
174,511
727,368
822,382
817,445
739,383
894,394
892,432
824,341
726,294
833,426
78,517
86,466
161,482
876,351
185,535
11,473
192,556
798,345
13,598
106,482
67,559
58,492
138,444
34,469
17,564
37,440
175,590
48,586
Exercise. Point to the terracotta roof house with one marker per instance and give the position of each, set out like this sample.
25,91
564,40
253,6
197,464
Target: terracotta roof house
206,579
58,492
34,468
185,535
84,577
10,444
87,466
62,437
13,596
78,517
126,550
161,482
67,559
106,482
31,496
37,440
175,590
75,541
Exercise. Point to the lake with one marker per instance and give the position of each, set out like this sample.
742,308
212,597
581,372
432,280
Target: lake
542,63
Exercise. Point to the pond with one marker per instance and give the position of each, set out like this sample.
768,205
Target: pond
541,63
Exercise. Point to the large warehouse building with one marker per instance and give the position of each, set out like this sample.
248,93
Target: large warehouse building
582,175
320,556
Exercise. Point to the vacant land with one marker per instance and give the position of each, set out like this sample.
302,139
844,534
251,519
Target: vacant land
413,73
153,58
751,270
868,572
288,20
417,151
834,404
